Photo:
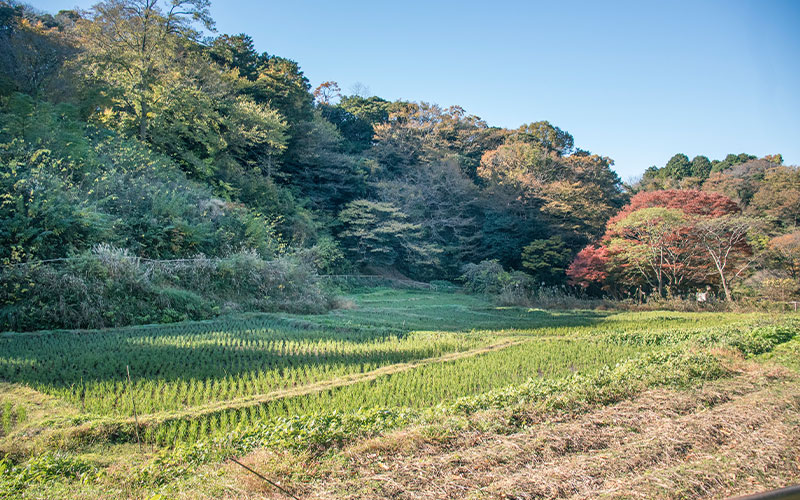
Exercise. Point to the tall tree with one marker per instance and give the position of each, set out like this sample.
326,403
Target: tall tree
678,167
700,167
136,48
547,260
33,54
378,235
725,239
546,136
778,197
786,249
642,240
444,202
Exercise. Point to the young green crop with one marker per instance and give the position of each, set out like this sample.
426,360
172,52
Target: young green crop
188,377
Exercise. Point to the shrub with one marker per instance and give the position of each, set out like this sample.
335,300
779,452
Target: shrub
109,287
487,277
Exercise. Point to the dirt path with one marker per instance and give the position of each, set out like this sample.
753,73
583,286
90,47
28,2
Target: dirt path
734,436
323,385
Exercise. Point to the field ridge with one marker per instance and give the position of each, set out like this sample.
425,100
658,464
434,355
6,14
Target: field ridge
314,387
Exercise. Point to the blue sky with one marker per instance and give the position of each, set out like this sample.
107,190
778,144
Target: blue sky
636,81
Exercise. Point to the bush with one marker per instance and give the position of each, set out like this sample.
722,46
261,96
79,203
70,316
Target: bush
325,257
109,287
519,289
487,277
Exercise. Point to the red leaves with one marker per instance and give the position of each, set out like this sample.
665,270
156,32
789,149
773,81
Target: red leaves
655,242
690,201
589,266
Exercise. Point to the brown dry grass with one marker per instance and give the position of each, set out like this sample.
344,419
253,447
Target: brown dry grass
728,437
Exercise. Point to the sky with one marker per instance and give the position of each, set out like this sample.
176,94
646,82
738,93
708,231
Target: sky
635,81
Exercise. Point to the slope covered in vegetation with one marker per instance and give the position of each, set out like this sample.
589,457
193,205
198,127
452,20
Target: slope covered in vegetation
133,130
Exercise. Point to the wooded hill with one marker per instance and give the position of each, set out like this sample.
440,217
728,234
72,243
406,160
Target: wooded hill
127,133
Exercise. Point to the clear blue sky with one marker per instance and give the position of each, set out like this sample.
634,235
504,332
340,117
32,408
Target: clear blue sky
637,81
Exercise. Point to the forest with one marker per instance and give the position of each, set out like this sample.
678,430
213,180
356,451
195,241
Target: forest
154,171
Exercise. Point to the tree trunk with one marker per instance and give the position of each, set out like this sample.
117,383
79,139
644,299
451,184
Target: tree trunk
722,279
143,120
726,288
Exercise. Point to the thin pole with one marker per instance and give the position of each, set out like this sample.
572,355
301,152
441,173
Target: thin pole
263,477
133,402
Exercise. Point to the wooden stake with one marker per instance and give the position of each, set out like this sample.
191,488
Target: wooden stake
133,402
263,477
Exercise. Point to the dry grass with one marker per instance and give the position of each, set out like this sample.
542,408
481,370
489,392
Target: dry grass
728,437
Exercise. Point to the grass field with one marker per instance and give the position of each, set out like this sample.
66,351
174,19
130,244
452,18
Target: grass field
307,398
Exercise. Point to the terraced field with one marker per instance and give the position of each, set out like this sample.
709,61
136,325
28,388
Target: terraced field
314,390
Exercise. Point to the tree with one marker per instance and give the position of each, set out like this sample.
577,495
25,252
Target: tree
786,249
643,238
690,201
377,234
426,133
372,109
444,202
547,259
678,167
547,136
33,55
725,239
237,52
589,267
521,165
327,92
729,161
137,50
700,167
322,170
778,197
739,181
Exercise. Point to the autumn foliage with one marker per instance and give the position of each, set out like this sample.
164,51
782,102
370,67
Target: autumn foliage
667,242
690,201
589,266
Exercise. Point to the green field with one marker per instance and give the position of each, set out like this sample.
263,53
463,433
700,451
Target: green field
397,358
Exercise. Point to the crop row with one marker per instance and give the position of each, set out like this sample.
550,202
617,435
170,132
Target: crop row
420,387
178,371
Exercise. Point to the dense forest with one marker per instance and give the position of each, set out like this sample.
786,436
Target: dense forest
151,172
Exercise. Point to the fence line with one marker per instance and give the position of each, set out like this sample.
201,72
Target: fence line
345,277
127,257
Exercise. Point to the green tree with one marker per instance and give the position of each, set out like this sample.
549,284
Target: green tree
137,48
33,54
730,161
547,260
444,202
323,170
778,197
547,136
377,235
700,167
678,167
